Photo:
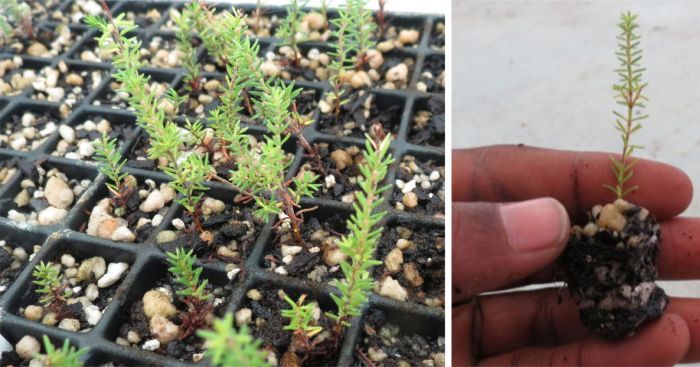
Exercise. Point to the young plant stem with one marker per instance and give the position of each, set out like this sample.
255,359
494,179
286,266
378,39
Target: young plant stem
381,18
629,95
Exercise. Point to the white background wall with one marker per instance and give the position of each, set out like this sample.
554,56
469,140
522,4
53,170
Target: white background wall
540,73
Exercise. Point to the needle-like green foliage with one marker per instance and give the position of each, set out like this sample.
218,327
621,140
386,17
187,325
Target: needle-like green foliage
189,180
360,245
14,13
183,36
227,346
112,164
263,175
301,317
50,282
288,29
67,356
629,94
343,55
182,267
166,137
361,29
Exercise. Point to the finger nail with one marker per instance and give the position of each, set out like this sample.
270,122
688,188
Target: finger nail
535,225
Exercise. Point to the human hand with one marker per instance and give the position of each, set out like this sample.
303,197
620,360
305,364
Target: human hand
497,246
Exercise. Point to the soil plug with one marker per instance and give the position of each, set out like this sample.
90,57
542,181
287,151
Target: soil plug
610,262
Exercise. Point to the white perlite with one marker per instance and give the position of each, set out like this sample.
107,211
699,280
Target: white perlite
114,272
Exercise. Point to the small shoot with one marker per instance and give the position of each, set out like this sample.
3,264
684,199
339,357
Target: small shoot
629,94
15,14
324,12
361,30
361,244
112,164
196,296
381,18
289,28
67,356
188,180
262,176
51,287
227,346
257,14
301,317
183,36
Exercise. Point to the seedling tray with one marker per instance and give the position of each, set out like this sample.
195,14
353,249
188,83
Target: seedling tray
146,260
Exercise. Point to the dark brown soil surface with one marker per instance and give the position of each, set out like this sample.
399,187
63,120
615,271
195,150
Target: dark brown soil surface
427,204
304,262
428,256
180,349
434,133
272,333
611,275
7,275
436,66
398,347
353,111
225,228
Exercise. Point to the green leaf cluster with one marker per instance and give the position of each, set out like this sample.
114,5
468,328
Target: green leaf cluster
360,245
301,317
49,280
67,356
227,346
288,29
629,93
11,12
182,267
183,37
112,164
188,180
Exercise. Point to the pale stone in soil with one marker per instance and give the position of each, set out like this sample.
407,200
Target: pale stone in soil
114,273
163,329
69,324
93,267
157,303
341,159
392,289
33,312
28,347
58,193
154,202
393,261
244,316
51,216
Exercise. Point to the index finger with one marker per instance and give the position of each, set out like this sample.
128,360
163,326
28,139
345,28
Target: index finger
514,173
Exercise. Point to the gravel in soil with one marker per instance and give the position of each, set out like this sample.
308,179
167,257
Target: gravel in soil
133,217
262,312
14,78
79,144
161,53
433,75
610,268
437,38
45,197
419,187
91,283
413,267
112,97
27,131
152,323
319,259
338,172
13,259
358,115
65,84
383,345
49,41
229,232
428,127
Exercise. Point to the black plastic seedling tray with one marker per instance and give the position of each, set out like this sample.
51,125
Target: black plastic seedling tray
146,260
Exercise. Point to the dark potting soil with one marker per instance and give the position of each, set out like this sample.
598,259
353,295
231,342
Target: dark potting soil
225,228
75,310
611,274
14,125
437,38
7,274
434,133
427,254
399,348
272,334
180,349
390,61
343,185
133,214
436,66
306,262
353,111
430,201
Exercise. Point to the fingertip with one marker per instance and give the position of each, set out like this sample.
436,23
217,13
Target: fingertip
536,225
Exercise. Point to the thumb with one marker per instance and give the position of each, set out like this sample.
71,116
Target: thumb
495,245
